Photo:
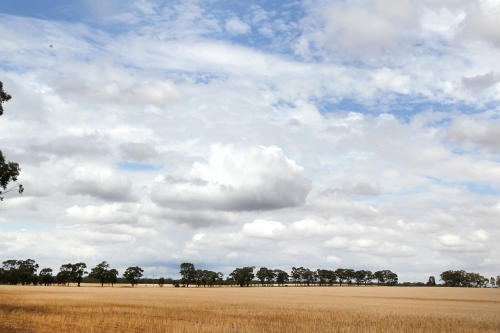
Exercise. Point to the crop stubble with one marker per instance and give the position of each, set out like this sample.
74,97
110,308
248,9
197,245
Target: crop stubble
255,309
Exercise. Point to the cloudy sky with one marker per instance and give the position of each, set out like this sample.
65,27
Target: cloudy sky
325,134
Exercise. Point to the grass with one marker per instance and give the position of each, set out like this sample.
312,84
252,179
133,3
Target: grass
256,309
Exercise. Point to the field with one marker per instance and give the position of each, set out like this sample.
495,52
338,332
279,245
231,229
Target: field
255,309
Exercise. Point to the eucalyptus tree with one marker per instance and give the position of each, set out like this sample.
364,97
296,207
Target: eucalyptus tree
322,275
262,274
220,278
341,275
78,271
111,276
454,278
9,171
133,274
45,277
369,277
360,276
350,274
281,276
308,276
243,276
188,273
18,271
296,275
431,281
99,272
386,277
66,274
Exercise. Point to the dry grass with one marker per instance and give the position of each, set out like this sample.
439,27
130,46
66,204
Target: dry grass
256,309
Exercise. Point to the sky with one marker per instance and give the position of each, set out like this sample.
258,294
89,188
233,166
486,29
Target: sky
324,134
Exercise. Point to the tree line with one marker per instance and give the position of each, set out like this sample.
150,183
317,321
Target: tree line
462,278
24,272
244,276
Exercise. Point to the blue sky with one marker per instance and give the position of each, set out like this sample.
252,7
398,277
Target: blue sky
322,134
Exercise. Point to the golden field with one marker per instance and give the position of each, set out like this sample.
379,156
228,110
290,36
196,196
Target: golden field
255,309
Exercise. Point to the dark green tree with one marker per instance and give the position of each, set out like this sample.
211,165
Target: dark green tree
188,273
19,271
99,272
161,281
46,277
111,276
133,274
360,276
282,277
432,281
78,272
9,171
243,276
262,274
66,274
368,277
341,275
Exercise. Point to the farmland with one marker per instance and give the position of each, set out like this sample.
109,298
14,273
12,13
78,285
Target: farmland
254,309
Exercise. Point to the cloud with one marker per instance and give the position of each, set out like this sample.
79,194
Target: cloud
157,93
237,27
333,260
88,146
255,179
191,218
105,214
136,151
337,243
483,22
262,228
371,27
455,243
98,183
480,82
480,130
356,187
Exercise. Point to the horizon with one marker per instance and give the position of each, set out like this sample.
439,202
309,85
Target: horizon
310,133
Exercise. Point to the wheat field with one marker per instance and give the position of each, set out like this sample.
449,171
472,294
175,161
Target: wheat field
256,309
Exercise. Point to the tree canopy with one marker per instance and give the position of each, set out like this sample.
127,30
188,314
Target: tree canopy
9,171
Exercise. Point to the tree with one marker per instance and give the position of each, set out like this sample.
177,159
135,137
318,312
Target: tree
492,282
380,277
46,277
9,171
133,274
350,275
432,281
281,276
99,272
454,278
262,274
360,276
243,276
391,278
188,273
220,278
78,272
161,281
19,271
341,275
295,274
66,274
368,278
111,276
